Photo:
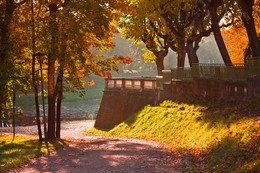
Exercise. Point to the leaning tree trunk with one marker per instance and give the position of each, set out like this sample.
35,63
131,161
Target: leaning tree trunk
51,71
218,37
248,21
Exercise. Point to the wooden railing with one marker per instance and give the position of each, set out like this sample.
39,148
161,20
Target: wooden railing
137,83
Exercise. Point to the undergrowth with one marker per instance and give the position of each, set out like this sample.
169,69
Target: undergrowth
22,149
210,136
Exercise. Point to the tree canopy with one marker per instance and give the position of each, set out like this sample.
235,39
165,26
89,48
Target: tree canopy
73,35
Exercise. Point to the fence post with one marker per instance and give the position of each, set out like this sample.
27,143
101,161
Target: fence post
114,83
142,85
195,70
123,83
153,84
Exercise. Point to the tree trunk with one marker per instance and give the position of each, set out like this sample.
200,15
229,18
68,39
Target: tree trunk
192,53
181,52
159,60
1,123
37,109
59,89
248,21
59,83
217,35
51,98
14,104
51,71
5,64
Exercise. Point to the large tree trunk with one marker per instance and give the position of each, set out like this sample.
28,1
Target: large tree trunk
181,52
37,109
51,98
192,53
248,21
159,60
217,34
8,15
5,46
194,40
51,71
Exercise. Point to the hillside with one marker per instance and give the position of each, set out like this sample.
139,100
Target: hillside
209,136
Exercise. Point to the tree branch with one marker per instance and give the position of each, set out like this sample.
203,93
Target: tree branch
19,3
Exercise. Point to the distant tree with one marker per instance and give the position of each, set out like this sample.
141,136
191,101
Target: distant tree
137,26
180,25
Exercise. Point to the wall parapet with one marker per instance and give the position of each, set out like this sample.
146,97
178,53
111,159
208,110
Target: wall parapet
136,83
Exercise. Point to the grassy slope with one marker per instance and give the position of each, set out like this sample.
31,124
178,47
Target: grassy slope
210,136
22,150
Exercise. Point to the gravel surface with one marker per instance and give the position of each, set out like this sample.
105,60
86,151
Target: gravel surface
97,154
69,130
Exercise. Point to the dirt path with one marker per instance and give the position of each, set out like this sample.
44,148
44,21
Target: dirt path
93,154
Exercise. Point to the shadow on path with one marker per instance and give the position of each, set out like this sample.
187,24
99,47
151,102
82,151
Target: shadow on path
105,155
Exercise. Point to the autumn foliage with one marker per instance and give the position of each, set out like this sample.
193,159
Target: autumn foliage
237,39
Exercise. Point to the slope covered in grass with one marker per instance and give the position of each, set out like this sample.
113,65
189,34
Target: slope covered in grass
22,149
210,136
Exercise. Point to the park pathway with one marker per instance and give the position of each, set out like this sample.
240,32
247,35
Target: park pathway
97,154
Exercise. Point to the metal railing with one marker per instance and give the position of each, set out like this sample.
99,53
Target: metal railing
214,71
220,71
202,70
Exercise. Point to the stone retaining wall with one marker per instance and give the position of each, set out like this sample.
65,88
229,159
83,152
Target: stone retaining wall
120,103
116,106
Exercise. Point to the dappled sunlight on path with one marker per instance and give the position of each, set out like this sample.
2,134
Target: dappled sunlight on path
97,154
104,155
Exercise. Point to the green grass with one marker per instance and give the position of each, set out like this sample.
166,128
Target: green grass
210,136
22,150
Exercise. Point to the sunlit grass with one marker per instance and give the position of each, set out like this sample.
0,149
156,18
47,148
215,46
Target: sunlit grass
211,136
22,150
